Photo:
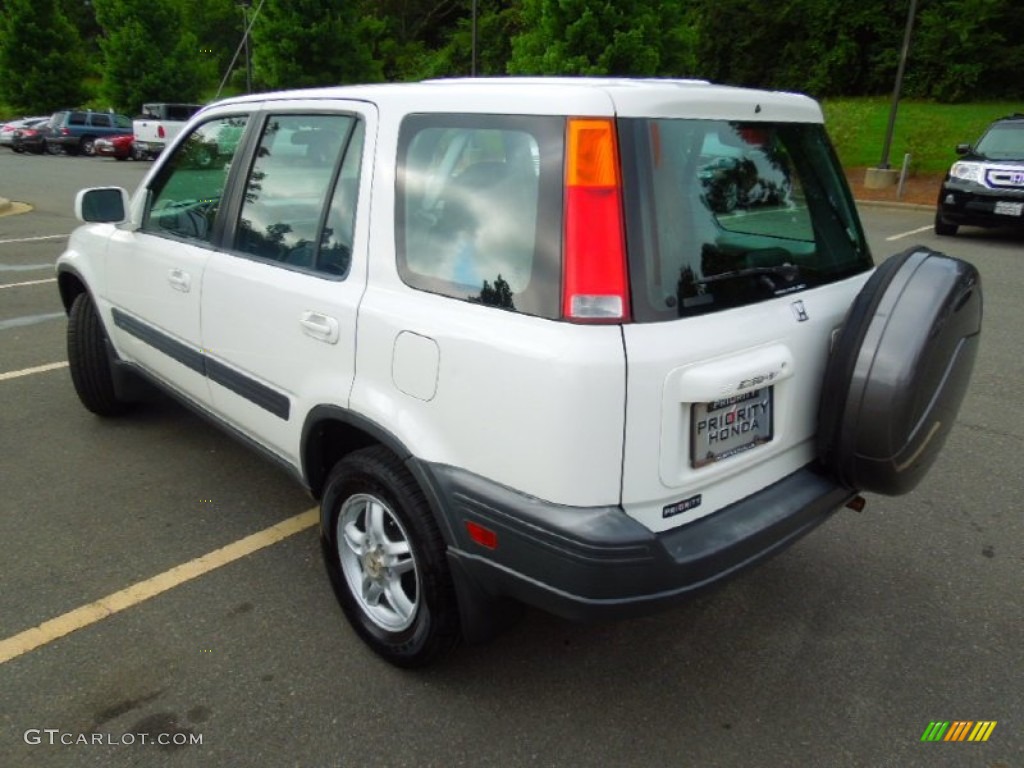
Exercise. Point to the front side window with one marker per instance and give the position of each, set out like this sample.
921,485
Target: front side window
479,209
185,197
291,179
722,214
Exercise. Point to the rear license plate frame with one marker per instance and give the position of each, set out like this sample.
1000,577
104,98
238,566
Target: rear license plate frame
747,421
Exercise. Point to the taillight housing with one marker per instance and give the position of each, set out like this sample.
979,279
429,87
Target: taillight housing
595,274
161,132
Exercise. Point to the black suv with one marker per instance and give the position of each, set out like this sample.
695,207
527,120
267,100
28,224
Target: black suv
985,188
76,131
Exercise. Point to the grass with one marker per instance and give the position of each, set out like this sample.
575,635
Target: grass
929,132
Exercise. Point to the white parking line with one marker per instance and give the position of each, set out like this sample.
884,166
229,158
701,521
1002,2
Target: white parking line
900,236
32,239
30,371
29,282
25,267
58,627
21,322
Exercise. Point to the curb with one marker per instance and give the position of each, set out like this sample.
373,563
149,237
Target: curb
895,204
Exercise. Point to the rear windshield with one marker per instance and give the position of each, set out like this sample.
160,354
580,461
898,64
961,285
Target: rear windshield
723,214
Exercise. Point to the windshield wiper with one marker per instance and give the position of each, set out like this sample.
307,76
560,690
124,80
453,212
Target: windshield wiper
788,272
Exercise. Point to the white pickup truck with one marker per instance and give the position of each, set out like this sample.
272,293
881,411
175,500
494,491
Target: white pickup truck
157,125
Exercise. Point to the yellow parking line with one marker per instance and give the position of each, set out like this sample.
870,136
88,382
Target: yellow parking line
30,371
82,617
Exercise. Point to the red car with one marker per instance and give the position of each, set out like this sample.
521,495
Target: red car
118,147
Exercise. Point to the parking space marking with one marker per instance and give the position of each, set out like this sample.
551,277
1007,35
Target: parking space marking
19,322
32,239
25,267
79,618
29,282
900,236
36,369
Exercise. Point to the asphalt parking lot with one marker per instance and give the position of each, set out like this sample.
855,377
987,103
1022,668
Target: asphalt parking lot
840,652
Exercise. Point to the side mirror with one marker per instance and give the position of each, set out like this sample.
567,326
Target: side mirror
106,205
963,149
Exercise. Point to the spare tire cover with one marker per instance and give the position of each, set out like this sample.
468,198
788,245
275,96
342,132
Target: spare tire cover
899,370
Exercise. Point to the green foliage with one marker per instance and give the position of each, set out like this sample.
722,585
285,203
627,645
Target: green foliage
497,24
576,37
300,43
967,49
142,60
40,57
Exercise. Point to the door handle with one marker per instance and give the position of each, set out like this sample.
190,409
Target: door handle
179,280
319,326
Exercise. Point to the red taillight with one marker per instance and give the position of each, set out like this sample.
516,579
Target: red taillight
65,132
160,131
595,282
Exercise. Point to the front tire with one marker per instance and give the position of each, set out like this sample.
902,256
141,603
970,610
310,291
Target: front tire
87,146
89,359
944,229
386,559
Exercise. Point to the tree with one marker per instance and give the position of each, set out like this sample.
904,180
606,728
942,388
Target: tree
147,56
627,37
967,49
497,24
40,57
299,43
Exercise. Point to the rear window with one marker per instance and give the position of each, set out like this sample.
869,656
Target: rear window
478,209
722,214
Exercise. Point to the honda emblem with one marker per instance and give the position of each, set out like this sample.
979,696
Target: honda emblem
800,311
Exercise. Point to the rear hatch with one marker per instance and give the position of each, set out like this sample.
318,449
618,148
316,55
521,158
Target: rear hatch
745,253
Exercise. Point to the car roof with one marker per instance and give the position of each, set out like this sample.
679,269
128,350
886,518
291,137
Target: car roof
625,97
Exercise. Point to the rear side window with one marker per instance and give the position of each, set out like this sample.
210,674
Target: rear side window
479,204
293,175
101,121
722,214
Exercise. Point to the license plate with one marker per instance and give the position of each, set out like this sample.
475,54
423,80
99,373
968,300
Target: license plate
726,428
1009,209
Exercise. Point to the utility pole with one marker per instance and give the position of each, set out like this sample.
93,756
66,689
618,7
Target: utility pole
472,66
887,145
245,4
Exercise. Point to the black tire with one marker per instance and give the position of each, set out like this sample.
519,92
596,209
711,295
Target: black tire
87,146
50,148
402,604
943,228
89,360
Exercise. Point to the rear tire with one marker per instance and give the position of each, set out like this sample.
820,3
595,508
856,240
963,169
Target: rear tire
87,146
89,359
386,559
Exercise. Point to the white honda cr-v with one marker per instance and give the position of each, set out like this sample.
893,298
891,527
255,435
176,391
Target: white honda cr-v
588,345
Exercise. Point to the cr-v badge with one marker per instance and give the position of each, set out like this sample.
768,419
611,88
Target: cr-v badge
800,311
